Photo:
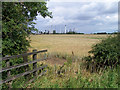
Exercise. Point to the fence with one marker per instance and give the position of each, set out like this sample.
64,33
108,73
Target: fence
25,64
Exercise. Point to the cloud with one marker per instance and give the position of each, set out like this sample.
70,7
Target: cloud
110,8
56,21
86,16
84,0
99,24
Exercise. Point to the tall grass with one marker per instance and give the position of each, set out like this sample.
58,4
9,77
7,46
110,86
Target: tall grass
72,75
106,79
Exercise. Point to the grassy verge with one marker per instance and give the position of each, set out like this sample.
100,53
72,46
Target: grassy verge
72,74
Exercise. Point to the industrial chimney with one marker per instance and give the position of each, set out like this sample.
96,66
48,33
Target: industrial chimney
65,28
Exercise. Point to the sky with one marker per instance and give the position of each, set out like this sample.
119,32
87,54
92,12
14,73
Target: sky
83,17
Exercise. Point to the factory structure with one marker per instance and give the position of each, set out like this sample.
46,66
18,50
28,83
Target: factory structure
53,30
66,30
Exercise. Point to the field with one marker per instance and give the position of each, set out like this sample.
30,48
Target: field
66,71
73,74
65,44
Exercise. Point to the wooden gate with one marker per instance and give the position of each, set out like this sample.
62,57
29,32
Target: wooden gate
26,63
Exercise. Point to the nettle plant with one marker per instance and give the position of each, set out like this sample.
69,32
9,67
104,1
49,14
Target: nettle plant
106,53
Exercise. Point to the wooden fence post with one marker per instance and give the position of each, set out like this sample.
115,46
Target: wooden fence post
8,72
25,59
73,57
34,64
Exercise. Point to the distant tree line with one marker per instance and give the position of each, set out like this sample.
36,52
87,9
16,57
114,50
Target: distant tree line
106,33
54,32
70,32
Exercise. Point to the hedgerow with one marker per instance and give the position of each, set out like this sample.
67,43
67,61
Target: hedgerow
106,53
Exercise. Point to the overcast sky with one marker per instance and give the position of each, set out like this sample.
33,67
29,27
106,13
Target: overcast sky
85,17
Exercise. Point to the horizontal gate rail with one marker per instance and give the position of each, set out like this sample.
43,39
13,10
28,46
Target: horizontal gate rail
22,74
20,65
8,68
21,55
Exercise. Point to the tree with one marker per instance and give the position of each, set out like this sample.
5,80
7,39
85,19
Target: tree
48,32
54,31
17,24
71,32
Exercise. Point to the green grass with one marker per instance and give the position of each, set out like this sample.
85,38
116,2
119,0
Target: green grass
95,38
69,79
108,79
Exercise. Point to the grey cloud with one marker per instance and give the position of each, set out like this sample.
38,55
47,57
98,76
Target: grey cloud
111,9
80,16
85,16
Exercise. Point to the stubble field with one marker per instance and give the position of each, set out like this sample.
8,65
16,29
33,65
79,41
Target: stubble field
66,44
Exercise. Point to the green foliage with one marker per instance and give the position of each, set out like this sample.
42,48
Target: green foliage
107,79
105,53
17,23
54,31
71,32
13,71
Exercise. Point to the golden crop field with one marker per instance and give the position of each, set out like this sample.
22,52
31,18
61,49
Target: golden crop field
65,44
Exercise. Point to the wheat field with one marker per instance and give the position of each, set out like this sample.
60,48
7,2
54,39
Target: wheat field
65,44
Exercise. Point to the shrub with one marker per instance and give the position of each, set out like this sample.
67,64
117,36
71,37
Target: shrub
106,53
17,24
